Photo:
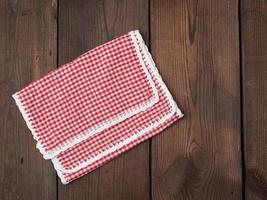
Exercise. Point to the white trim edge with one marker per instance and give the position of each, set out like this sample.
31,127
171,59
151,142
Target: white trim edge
28,122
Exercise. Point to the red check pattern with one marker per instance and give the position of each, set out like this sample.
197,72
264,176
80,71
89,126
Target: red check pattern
102,85
94,146
98,106
115,134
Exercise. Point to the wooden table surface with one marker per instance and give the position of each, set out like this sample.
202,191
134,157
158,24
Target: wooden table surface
212,54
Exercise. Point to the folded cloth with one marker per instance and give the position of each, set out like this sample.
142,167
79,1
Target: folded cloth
98,106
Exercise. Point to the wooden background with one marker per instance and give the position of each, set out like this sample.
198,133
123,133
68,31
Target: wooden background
212,55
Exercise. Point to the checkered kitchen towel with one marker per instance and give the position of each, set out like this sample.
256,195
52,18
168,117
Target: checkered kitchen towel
98,106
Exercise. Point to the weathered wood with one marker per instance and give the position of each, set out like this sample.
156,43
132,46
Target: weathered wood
195,44
27,52
254,67
82,26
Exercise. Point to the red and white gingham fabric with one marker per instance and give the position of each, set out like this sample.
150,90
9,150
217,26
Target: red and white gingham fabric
100,105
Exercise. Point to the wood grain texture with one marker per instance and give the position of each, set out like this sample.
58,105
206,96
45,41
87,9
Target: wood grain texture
196,46
254,45
27,52
82,26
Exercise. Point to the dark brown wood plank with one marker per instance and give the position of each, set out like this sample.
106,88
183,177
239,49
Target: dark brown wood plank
27,52
82,26
254,67
195,44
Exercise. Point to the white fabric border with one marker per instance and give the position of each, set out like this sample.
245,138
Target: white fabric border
28,123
